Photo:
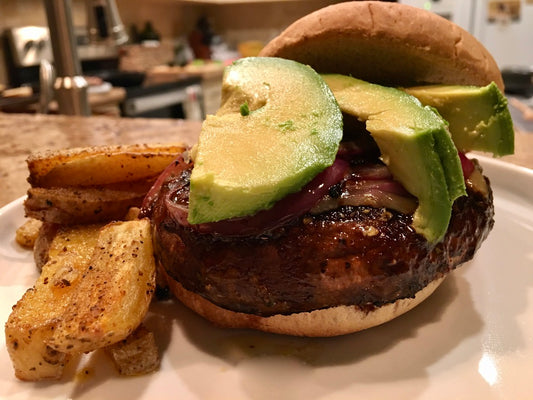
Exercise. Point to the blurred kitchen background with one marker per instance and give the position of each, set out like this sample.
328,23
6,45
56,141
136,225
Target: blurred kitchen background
168,59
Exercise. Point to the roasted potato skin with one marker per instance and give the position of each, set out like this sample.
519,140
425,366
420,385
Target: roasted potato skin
41,247
72,206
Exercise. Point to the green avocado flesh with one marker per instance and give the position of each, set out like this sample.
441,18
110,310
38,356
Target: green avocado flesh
478,116
278,126
415,144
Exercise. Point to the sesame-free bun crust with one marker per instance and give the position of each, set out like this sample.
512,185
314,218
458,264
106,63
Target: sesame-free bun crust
387,43
333,321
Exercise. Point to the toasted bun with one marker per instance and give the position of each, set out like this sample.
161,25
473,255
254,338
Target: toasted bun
333,321
387,43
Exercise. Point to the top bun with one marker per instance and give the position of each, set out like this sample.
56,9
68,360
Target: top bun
387,43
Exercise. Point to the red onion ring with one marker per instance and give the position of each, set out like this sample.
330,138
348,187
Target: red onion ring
374,197
291,206
384,185
173,169
372,172
466,164
369,185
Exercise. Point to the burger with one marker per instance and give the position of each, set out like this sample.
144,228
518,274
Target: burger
341,254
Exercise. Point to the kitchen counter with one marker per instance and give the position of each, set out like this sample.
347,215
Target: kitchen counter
165,73
20,134
100,103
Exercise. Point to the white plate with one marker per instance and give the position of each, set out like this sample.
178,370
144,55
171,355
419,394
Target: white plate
472,339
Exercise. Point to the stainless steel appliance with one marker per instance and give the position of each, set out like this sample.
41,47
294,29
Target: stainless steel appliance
27,46
69,85
180,99
104,23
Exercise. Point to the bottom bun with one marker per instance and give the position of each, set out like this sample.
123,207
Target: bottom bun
333,321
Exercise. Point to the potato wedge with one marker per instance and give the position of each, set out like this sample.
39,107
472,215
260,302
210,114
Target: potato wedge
32,359
100,165
71,206
27,233
41,247
137,354
93,291
114,293
132,214
35,316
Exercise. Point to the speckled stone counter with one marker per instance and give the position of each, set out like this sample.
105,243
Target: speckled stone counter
21,134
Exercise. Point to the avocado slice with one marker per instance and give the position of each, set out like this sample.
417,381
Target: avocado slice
278,126
478,116
414,143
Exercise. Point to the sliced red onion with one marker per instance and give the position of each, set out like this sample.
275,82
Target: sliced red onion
292,206
349,150
372,172
375,197
177,211
173,169
466,164
370,185
384,185
376,193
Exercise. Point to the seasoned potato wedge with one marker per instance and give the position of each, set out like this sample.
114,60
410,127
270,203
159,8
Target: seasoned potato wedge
41,247
100,165
132,214
32,359
93,291
93,184
27,233
114,293
35,316
137,354
70,206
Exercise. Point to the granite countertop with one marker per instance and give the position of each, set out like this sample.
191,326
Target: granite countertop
21,134
30,103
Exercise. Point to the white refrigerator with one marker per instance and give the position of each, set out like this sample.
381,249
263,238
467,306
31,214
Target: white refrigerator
505,27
